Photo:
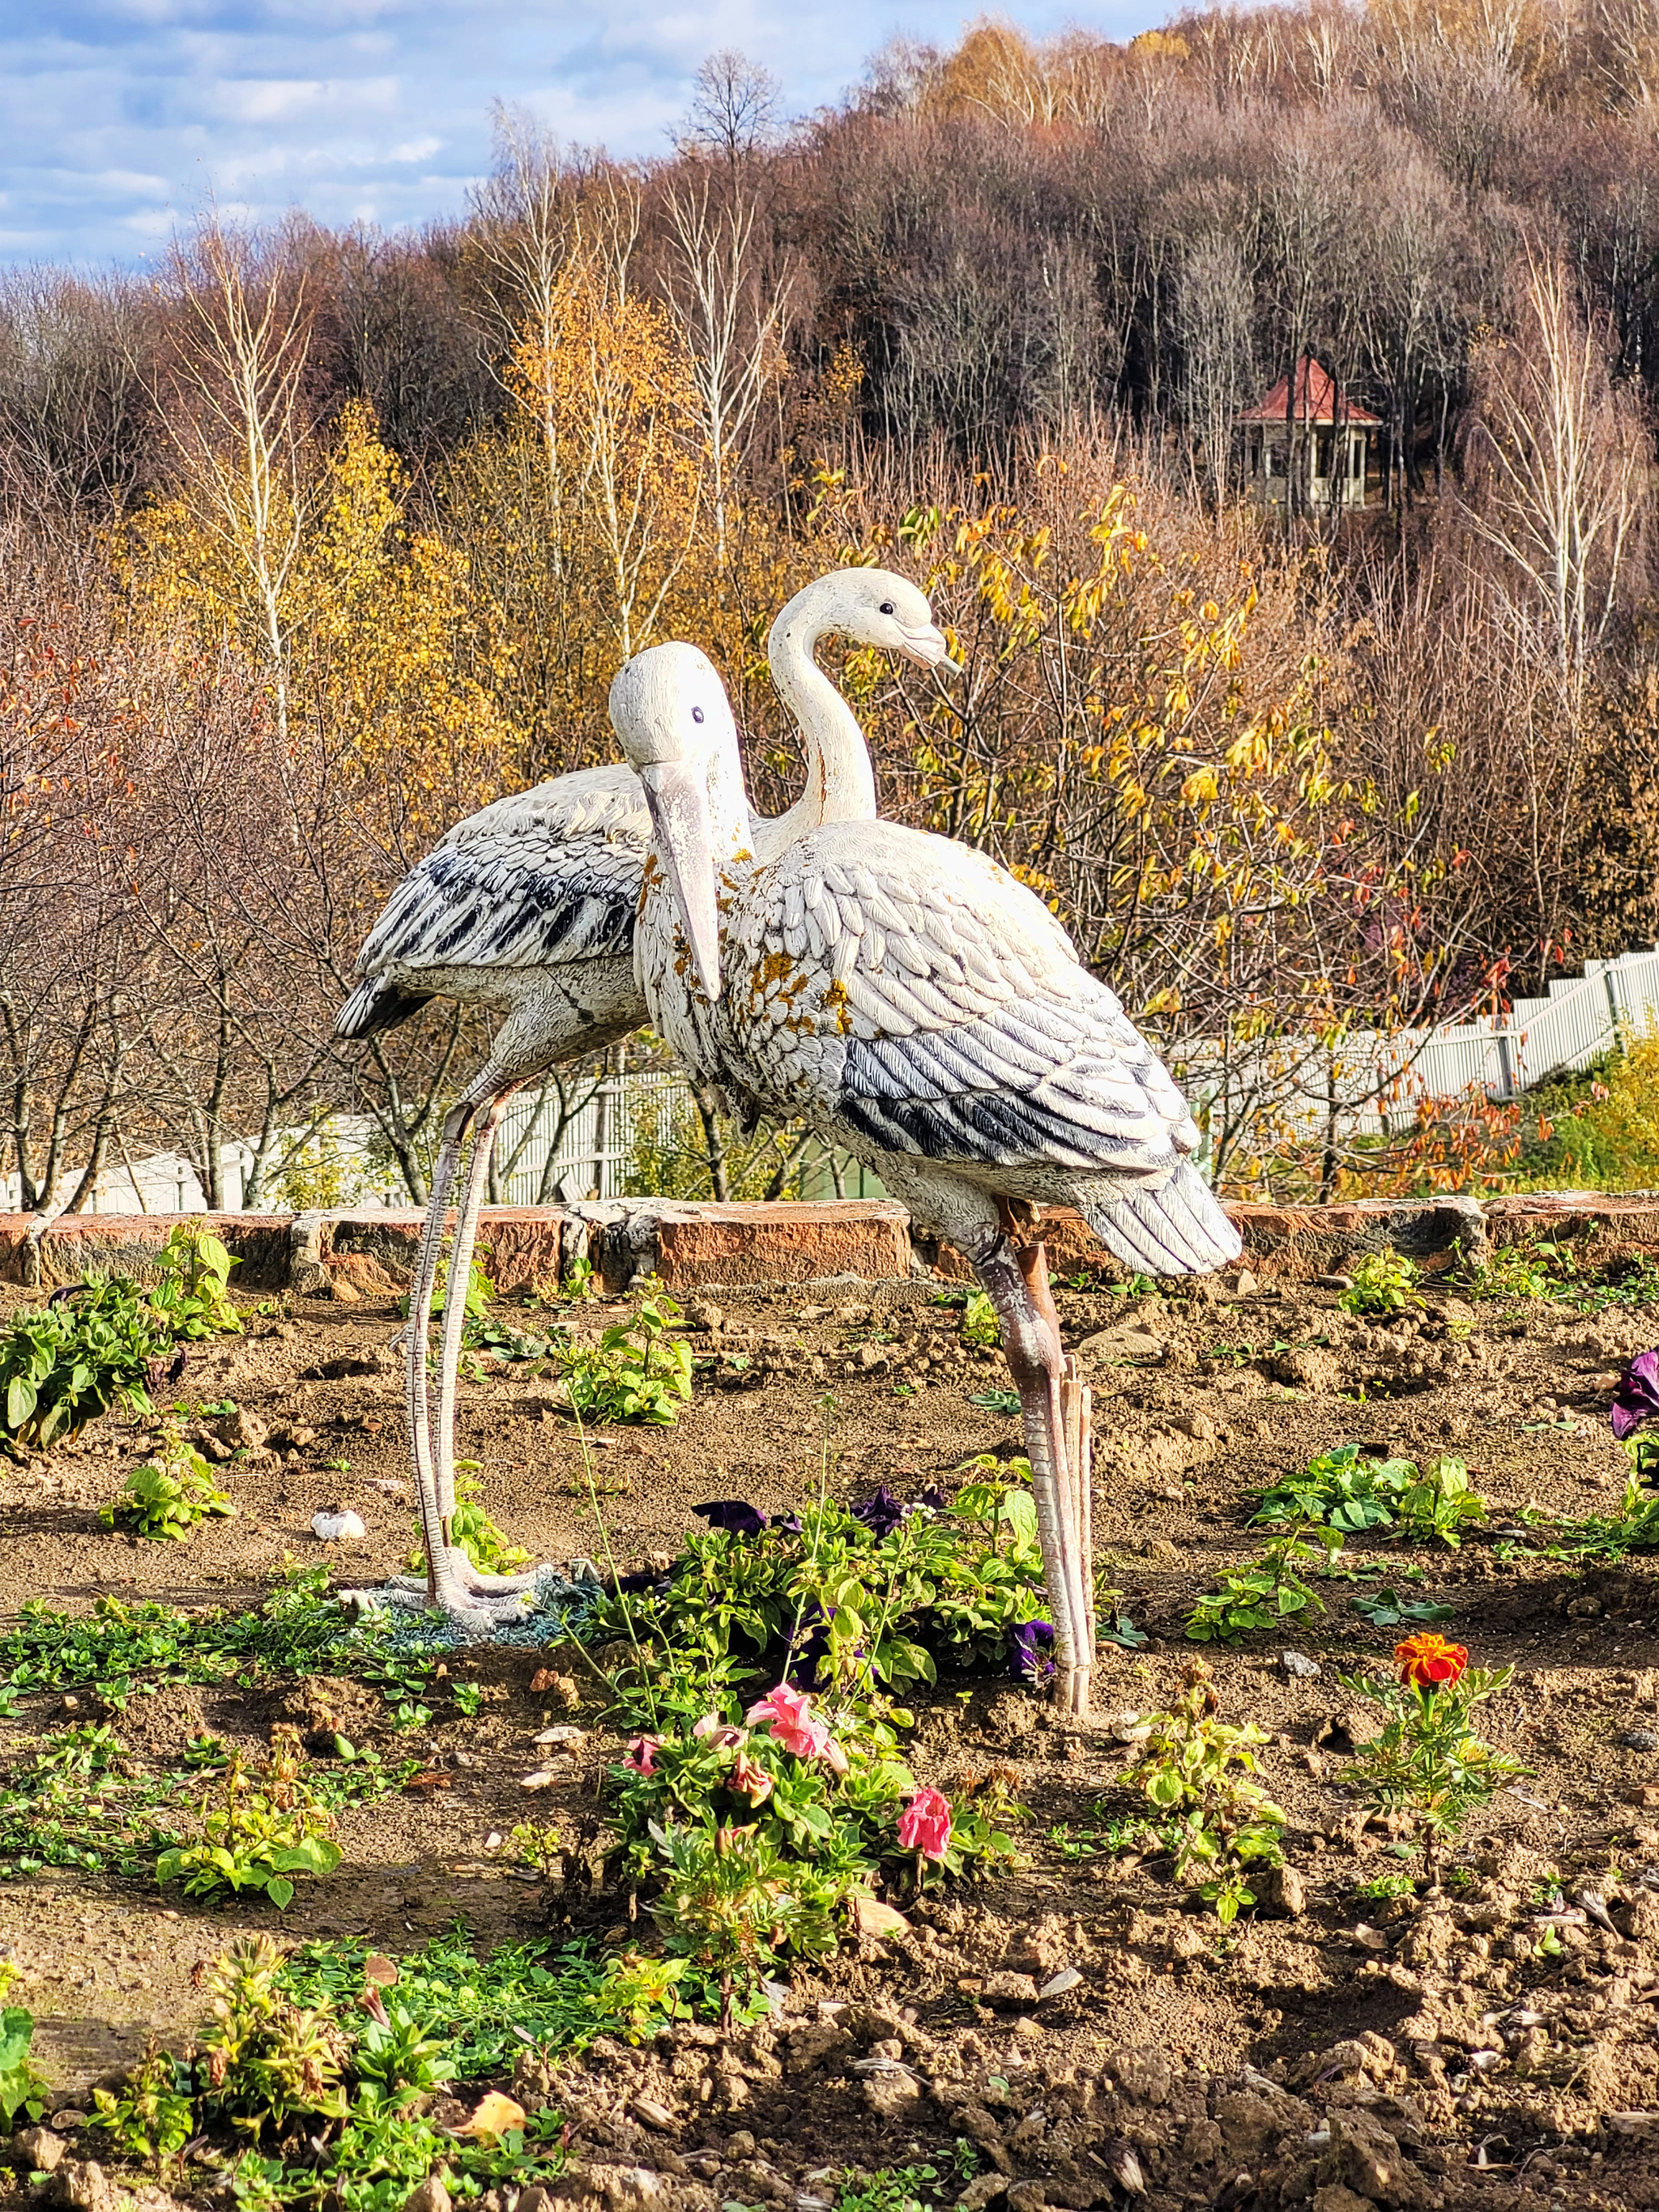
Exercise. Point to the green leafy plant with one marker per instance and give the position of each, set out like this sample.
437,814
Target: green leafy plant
264,1831
1426,1758
1343,1490
996,1402
21,2089
889,2189
1519,1270
979,1324
1609,1536
485,1544
167,1494
1195,1769
322,2063
1267,1591
1383,1283
1382,1887
1386,1608
639,1370
480,1290
751,1829
151,2116
193,1296
1435,1505
107,1342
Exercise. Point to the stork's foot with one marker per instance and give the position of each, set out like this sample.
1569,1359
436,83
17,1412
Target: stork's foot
458,1572
475,1604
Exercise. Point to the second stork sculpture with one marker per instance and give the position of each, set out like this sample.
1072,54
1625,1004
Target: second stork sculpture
910,1001
527,906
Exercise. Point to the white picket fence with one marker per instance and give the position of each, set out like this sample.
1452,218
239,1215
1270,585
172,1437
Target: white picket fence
591,1156
1371,1082
1367,1083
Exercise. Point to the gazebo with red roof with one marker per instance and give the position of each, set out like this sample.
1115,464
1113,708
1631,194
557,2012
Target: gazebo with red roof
1328,433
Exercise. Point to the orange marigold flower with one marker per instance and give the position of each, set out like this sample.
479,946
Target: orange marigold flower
1428,1662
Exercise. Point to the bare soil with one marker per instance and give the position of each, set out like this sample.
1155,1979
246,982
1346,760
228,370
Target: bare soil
1334,2050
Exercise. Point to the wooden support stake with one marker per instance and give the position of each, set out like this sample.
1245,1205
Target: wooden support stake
1076,1427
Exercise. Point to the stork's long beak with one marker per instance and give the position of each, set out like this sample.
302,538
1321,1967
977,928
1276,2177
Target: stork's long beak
679,814
928,647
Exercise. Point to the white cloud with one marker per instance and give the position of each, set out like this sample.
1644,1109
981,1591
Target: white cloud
117,116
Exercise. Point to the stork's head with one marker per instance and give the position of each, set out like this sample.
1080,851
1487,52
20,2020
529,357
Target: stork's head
868,606
670,710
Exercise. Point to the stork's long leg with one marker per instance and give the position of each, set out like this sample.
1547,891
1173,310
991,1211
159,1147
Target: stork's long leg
416,1411
1017,1284
474,1579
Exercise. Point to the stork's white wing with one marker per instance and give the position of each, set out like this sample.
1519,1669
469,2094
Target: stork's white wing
936,1007
545,878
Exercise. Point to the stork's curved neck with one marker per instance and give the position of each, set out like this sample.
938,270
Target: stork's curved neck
840,785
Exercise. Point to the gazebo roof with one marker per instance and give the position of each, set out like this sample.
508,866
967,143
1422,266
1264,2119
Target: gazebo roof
1316,400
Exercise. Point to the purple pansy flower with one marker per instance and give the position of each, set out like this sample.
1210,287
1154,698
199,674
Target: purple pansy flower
1636,1399
735,1514
881,1514
1032,1659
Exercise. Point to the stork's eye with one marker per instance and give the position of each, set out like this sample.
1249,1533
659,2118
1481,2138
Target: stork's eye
888,608
696,714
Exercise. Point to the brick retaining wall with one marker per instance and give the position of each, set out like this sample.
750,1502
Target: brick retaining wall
785,1242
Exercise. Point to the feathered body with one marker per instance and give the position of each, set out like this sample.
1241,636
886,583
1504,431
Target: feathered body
541,884
919,1007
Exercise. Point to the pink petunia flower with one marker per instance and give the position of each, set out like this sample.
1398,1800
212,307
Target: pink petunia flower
786,1714
713,1729
750,1779
642,1754
924,1823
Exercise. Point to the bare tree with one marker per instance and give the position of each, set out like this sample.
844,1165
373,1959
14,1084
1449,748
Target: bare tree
1564,460
733,324
1214,303
737,107
237,421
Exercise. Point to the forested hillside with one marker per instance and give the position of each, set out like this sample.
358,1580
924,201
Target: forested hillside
311,541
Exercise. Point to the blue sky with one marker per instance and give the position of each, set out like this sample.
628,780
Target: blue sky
118,119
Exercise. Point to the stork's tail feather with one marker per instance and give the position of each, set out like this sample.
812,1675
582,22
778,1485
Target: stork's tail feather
376,1005
1176,1228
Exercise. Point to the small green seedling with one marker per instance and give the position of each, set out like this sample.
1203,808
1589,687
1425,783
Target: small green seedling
173,1491
1197,1769
21,2087
471,1527
1383,1283
640,1370
262,1831
1269,1590
980,1326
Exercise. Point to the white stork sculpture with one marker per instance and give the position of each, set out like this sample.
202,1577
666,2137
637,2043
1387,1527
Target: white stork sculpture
527,908
913,1003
